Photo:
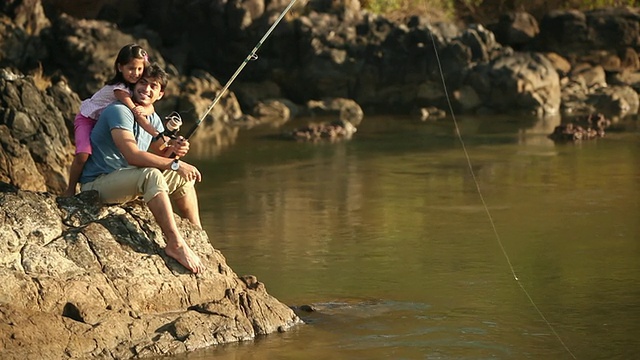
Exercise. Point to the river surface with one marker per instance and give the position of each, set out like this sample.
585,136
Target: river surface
405,255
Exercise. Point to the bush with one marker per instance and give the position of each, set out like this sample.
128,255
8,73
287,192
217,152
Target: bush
482,11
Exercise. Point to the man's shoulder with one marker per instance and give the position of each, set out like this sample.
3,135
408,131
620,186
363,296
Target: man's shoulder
117,106
117,109
117,114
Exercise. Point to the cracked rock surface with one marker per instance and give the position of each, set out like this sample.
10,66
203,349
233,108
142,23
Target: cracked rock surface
82,280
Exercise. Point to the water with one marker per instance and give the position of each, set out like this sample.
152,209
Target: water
387,237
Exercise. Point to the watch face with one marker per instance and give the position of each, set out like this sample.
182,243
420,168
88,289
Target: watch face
175,165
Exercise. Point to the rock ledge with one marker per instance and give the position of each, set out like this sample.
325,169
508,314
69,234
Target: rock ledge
80,280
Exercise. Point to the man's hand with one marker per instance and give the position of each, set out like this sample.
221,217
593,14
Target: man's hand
189,172
179,146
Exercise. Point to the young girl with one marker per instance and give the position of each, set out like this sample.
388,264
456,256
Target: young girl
129,66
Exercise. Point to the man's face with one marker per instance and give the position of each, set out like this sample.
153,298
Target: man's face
147,91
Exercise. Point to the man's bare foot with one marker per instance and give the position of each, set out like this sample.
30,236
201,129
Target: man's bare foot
185,256
68,193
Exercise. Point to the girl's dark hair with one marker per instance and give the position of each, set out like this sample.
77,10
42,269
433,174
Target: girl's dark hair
125,55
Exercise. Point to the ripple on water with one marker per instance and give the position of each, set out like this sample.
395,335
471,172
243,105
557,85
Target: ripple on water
402,329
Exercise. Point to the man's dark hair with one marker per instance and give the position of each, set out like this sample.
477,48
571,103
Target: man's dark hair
155,71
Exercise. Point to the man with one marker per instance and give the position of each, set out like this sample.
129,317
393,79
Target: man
127,163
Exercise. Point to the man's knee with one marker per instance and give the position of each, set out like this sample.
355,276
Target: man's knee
153,174
178,186
153,183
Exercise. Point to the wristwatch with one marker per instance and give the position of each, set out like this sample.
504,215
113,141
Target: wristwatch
175,165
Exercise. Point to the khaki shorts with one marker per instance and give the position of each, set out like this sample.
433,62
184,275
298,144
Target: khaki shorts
128,184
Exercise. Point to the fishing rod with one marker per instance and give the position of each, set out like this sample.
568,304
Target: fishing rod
250,57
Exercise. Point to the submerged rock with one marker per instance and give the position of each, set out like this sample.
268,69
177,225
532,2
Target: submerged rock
80,280
591,127
335,130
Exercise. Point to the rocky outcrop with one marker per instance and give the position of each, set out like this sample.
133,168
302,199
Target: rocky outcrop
81,280
524,82
576,34
332,49
35,146
53,53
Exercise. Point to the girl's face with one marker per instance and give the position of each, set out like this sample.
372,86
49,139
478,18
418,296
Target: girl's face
132,71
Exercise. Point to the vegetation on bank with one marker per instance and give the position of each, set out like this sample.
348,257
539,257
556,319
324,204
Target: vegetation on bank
482,11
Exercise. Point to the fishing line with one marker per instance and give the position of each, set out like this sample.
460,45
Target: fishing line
484,204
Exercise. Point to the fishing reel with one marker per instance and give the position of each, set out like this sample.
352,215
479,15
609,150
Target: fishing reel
172,125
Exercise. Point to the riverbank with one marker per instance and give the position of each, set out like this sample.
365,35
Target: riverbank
567,64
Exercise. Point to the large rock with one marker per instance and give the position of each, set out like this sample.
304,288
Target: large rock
85,51
522,83
21,25
196,97
35,147
516,29
615,101
80,280
343,109
332,49
607,36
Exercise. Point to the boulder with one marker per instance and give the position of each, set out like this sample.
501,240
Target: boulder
275,112
631,78
606,36
562,65
615,101
84,51
197,93
344,109
516,29
35,146
591,77
21,46
518,83
331,131
249,94
467,98
81,280
574,99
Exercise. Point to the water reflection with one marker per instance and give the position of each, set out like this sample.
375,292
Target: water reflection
210,141
386,235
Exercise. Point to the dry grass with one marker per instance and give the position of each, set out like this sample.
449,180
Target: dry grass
41,81
480,10
398,9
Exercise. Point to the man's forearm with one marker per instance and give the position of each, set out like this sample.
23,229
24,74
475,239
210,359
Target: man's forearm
158,147
127,145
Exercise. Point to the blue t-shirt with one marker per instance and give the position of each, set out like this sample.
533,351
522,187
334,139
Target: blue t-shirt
106,157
